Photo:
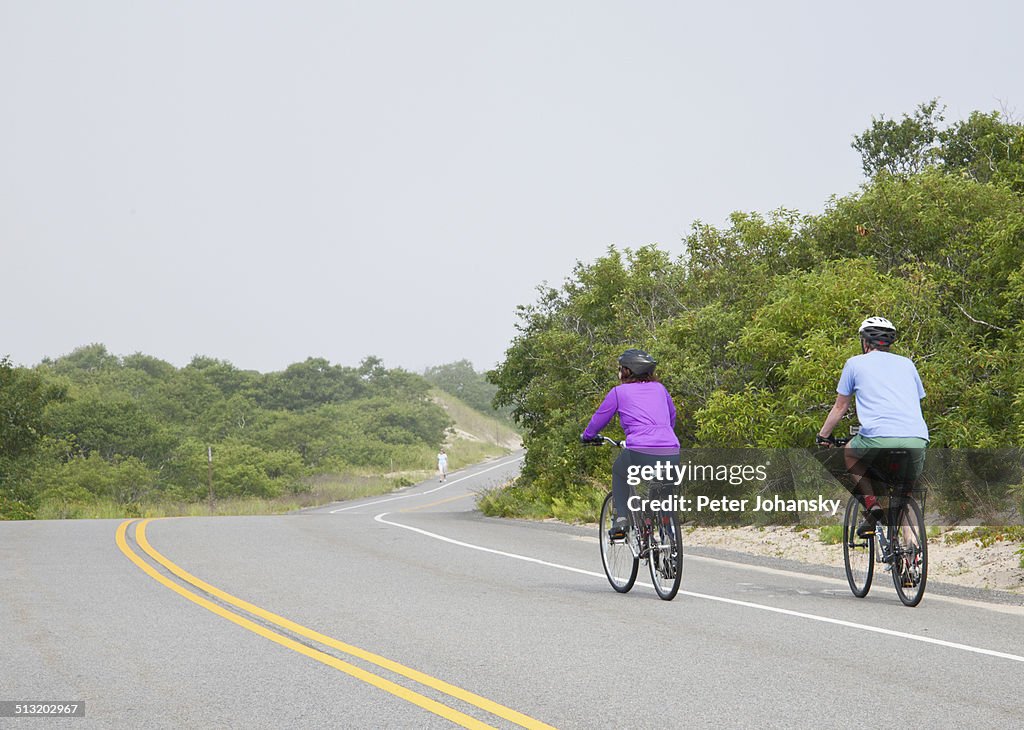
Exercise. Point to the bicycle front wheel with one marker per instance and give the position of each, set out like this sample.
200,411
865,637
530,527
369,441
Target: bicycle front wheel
858,552
666,556
909,553
620,565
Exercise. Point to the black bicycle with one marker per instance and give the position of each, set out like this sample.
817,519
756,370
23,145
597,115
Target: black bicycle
900,542
652,536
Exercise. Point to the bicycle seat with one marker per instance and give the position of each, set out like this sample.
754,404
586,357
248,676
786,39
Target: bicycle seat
891,467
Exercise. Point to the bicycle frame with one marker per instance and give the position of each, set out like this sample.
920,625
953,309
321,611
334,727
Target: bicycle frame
900,542
652,537
640,535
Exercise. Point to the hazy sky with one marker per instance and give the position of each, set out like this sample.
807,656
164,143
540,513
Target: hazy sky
267,181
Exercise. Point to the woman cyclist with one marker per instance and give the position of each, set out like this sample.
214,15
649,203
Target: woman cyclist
648,417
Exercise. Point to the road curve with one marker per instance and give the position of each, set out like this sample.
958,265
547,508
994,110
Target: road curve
413,610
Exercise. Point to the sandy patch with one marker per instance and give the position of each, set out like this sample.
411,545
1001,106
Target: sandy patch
967,564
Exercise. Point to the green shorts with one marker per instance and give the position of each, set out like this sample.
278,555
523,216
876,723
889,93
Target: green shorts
870,447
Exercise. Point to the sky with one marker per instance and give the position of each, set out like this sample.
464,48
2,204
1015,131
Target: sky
263,182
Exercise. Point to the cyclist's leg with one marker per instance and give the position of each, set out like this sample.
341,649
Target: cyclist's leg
859,456
904,491
900,475
621,491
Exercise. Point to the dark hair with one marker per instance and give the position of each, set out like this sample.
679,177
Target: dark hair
634,378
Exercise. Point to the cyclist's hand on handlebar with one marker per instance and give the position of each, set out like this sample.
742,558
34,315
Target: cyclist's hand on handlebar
826,441
591,441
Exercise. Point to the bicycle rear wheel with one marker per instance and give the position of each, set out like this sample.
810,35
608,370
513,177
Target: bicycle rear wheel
620,565
666,555
910,553
858,552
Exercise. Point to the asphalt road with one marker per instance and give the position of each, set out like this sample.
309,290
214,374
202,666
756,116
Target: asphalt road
413,611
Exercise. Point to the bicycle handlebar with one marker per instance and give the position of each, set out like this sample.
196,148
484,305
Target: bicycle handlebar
602,440
831,441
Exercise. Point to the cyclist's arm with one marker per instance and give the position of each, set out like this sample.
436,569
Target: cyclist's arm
603,415
842,405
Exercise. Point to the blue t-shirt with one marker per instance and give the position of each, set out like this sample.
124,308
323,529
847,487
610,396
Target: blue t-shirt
888,391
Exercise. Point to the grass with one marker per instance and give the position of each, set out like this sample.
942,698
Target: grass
831,534
468,420
462,453
479,437
509,500
987,536
321,490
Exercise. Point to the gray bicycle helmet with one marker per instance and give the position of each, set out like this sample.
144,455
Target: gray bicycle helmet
878,331
638,362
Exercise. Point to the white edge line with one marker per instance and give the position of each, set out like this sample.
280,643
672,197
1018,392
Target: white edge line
1011,609
538,561
429,491
720,599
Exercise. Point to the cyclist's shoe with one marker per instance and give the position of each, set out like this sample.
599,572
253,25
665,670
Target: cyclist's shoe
618,530
867,527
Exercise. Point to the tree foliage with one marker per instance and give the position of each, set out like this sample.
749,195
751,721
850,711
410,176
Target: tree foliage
751,323
24,396
91,425
900,148
465,383
985,147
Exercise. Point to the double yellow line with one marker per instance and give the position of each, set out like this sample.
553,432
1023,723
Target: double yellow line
460,718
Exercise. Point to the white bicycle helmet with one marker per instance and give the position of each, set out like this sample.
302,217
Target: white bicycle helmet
878,331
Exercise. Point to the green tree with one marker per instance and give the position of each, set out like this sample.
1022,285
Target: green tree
752,324
461,380
228,379
900,148
108,427
309,384
985,147
86,359
24,396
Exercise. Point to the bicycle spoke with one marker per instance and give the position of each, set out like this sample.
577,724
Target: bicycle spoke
666,555
858,552
910,553
620,563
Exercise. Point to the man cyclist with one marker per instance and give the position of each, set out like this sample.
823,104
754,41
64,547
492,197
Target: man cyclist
889,392
647,415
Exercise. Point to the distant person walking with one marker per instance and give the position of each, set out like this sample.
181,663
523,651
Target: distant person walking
442,466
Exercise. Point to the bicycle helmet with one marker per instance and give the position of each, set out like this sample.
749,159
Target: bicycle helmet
638,362
878,331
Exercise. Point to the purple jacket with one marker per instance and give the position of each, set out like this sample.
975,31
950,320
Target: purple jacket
646,412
